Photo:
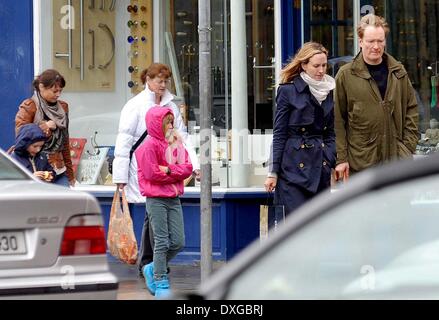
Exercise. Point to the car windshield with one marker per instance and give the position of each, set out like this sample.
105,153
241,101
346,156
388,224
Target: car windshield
383,244
9,171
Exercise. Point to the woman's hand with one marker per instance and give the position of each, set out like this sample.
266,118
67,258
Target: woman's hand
51,124
120,186
270,184
197,174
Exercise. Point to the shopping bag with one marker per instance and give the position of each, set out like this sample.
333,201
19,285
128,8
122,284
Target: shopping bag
271,217
121,240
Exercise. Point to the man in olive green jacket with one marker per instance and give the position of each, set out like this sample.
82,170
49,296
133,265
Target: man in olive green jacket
376,116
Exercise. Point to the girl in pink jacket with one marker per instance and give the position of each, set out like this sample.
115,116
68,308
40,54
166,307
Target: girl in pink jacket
163,164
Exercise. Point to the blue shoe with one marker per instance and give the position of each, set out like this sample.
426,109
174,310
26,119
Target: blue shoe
163,290
148,273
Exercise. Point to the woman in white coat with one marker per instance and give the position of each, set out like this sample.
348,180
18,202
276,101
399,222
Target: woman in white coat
131,127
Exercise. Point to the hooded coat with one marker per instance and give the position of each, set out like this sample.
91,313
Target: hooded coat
27,135
131,127
370,129
155,152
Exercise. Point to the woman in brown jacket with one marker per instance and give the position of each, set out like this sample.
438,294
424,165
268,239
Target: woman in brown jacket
51,115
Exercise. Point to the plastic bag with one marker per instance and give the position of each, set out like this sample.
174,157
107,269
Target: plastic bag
121,240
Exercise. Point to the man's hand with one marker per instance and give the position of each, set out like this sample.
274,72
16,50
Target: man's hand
342,172
270,184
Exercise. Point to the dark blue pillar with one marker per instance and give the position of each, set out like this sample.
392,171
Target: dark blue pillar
291,28
16,63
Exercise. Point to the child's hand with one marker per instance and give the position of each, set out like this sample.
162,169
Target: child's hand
163,169
44,175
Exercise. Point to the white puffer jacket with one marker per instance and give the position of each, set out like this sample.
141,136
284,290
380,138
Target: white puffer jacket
131,127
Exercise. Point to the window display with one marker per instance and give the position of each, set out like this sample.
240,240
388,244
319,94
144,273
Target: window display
84,46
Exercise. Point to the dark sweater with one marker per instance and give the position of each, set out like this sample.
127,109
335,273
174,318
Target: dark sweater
380,73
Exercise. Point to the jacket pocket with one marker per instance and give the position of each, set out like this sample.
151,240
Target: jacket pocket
363,151
329,155
297,161
364,117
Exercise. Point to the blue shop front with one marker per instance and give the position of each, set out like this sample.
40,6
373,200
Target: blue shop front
235,219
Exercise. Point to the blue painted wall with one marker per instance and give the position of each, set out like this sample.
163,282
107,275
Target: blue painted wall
235,223
16,62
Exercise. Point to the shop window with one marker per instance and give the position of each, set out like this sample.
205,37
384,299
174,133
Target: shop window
181,53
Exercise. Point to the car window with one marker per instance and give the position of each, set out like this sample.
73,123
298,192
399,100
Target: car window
383,244
9,171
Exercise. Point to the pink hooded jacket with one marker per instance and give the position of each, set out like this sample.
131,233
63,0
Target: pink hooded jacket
155,152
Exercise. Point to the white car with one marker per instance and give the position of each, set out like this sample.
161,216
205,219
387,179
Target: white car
52,240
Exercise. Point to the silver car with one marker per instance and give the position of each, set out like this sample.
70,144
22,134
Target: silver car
52,240
375,238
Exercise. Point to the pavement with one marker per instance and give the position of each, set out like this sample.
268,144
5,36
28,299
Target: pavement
184,278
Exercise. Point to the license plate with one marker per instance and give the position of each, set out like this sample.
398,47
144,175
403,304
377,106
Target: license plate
12,243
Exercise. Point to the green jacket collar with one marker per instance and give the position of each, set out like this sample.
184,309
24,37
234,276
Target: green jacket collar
359,67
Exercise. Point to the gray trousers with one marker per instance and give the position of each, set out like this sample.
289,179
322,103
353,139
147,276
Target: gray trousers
166,218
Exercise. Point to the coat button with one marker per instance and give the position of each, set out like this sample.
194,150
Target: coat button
325,128
324,163
302,146
303,129
323,145
301,165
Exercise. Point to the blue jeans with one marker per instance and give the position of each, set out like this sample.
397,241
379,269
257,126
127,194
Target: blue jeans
62,180
166,218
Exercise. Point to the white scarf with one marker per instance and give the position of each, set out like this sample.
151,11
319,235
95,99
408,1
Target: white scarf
319,89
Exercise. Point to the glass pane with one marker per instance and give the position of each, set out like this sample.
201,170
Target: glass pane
182,55
8,171
330,23
261,69
413,40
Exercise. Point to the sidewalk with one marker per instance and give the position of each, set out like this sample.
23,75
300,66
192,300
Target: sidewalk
184,278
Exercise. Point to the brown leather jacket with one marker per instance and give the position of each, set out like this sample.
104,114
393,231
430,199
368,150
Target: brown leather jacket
26,114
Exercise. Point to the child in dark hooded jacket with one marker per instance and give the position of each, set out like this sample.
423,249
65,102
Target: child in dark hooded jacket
27,150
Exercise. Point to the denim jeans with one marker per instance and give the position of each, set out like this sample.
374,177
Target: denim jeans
166,218
146,253
62,180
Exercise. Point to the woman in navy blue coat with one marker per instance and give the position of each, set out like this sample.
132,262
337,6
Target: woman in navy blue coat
303,140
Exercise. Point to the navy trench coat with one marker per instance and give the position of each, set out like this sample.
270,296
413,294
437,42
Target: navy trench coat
303,144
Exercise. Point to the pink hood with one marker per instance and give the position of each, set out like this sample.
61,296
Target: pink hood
156,152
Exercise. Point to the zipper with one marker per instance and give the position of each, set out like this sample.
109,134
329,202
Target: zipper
32,162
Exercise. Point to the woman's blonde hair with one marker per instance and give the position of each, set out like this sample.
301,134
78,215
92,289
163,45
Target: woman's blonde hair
294,68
